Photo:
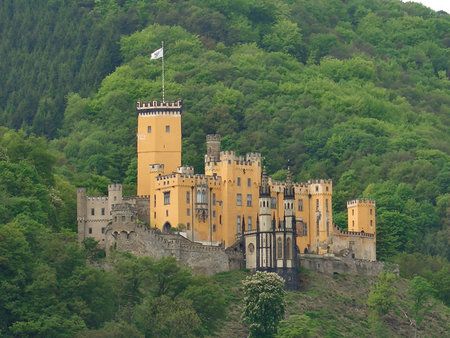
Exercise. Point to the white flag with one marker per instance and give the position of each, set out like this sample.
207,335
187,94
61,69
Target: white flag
157,54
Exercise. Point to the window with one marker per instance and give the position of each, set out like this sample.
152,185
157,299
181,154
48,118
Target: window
239,199
167,129
249,200
103,211
214,214
317,188
154,214
279,248
123,218
188,226
115,198
249,182
220,219
326,188
251,248
288,248
167,213
188,212
149,129
214,199
166,197
371,223
353,224
103,230
317,204
273,203
326,204
249,223
238,224
154,201
238,182
371,211
303,229
92,211
300,205
188,197
214,228
328,228
115,218
90,230
353,212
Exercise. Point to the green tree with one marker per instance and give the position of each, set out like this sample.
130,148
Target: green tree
421,293
166,317
263,303
297,326
381,298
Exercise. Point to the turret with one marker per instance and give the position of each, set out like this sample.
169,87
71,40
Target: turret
114,194
212,148
264,203
289,197
361,216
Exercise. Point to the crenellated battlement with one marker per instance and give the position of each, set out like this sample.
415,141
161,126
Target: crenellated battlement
187,170
100,198
213,138
339,231
115,187
159,108
321,181
231,157
362,201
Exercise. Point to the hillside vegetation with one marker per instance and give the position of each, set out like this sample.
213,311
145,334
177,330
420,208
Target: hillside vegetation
336,306
357,91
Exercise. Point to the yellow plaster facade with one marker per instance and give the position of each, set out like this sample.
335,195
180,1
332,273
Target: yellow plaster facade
158,140
217,206
361,216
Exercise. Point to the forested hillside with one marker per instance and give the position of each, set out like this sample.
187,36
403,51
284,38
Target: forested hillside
357,91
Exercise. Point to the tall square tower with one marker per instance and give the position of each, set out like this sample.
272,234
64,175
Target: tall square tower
158,140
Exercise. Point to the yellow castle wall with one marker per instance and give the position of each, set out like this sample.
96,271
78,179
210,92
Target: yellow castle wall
158,142
361,216
232,171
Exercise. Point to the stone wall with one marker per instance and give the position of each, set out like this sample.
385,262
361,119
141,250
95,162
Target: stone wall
358,245
143,241
340,265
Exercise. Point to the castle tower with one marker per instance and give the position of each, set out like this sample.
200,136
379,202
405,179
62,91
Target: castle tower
212,148
289,197
158,140
361,216
114,194
265,217
321,214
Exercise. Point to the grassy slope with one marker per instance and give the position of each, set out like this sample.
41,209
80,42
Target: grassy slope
337,307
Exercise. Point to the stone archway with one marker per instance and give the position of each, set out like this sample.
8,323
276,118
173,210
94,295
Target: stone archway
166,227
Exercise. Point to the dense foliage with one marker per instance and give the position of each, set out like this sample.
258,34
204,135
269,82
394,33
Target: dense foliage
357,91
264,304
49,290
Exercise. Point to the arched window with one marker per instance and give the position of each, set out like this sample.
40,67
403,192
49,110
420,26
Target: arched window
279,248
288,248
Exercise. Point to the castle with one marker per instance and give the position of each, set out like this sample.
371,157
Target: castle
234,201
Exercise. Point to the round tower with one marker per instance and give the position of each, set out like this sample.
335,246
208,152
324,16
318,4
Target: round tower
114,194
213,147
289,197
265,219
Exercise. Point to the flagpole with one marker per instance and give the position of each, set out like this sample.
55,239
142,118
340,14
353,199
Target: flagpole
162,46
